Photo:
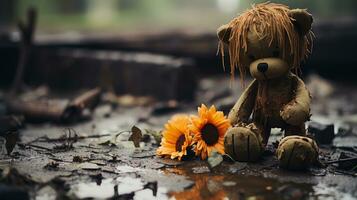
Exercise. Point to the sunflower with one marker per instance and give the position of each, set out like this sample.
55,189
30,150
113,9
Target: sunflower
208,128
176,138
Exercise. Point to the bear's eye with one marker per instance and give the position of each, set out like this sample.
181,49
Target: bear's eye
276,53
251,57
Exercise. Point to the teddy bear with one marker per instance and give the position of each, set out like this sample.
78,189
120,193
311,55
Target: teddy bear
270,41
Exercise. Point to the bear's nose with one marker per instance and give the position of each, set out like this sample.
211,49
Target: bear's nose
262,67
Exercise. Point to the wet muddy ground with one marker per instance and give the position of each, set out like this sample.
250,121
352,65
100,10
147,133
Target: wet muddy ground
95,159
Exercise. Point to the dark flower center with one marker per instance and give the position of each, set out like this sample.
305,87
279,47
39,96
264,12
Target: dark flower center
180,142
210,134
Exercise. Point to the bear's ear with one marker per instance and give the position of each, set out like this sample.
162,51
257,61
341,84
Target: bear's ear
302,20
224,33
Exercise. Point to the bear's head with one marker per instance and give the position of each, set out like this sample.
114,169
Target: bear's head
269,40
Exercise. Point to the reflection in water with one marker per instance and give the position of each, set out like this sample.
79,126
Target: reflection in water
228,186
207,185
92,190
323,191
125,187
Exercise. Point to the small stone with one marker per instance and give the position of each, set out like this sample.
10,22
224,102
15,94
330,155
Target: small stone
214,159
98,162
323,133
88,166
77,159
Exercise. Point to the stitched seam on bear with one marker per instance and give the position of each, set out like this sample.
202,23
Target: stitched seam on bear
248,150
291,153
234,151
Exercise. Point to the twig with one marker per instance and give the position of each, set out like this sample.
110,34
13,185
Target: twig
36,146
62,139
340,160
26,31
346,172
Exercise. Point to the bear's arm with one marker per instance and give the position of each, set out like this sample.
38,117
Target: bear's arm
243,108
297,111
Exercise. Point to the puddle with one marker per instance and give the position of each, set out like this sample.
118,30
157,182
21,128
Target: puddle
174,184
322,191
117,188
242,187
138,183
92,190
251,187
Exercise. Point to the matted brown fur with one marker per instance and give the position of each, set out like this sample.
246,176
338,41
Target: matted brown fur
271,21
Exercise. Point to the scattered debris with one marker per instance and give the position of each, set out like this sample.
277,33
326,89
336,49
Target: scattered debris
165,108
74,111
52,165
156,134
88,166
135,136
112,141
56,110
214,159
11,140
9,126
347,161
77,159
323,134
69,138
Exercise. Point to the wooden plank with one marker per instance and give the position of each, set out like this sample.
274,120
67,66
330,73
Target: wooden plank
163,77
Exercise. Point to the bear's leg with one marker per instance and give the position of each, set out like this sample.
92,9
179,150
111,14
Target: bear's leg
244,143
295,151
295,130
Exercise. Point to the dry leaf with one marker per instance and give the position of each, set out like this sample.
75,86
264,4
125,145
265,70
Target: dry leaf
11,139
135,136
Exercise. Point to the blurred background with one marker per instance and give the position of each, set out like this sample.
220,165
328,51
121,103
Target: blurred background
90,37
128,16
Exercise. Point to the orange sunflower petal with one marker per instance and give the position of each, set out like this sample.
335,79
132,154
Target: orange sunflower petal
176,130
208,141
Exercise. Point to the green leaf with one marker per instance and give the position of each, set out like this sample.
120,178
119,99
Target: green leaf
156,134
214,159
